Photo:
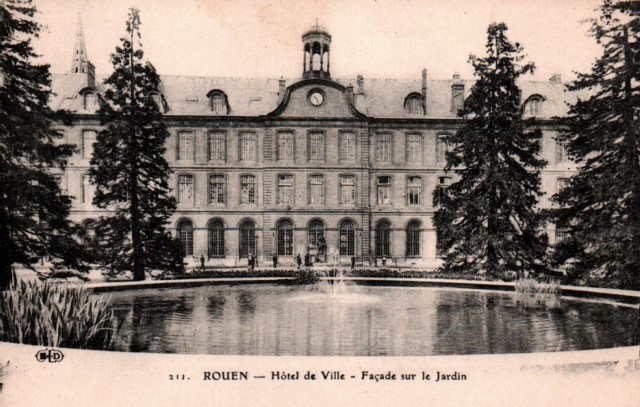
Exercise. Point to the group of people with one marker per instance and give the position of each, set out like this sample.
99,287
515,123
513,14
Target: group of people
253,261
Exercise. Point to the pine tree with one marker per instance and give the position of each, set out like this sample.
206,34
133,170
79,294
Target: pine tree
33,211
487,220
128,165
600,207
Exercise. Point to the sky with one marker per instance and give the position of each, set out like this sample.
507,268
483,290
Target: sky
375,38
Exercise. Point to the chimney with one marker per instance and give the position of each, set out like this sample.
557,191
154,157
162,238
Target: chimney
91,75
350,93
457,94
360,83
424,90
556,79
281,89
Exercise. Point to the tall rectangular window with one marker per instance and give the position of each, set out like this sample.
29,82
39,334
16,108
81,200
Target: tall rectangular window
347,189
88,140
316,146
217,188
441,149
414,189
561,234
248,147
285,146
185,189
247,189
347,147
88,189
383,148
90,102
561,152
384,190
60,180
457,98
562,183
316,189
285,189
217,146
186,145
414,148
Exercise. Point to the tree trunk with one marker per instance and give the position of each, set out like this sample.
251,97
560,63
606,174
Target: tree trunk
6,271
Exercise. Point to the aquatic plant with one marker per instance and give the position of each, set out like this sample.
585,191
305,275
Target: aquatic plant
56,315
531,293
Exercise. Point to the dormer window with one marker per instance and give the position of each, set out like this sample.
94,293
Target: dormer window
90,101
534,106
413,105
218,102
157,99
457,98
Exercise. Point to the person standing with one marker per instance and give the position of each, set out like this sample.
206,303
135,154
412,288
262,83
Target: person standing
353,262
250,261
298,261
202,262
275,260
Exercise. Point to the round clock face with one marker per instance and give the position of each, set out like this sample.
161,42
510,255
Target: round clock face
316,98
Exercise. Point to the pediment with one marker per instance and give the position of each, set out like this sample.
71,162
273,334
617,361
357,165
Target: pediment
317,98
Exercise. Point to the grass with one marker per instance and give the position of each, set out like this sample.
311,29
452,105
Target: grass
56,315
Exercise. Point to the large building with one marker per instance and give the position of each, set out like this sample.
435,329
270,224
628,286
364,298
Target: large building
334,167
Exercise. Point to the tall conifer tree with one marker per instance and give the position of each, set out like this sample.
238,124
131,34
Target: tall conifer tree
600,207
128,165
487,221
33,211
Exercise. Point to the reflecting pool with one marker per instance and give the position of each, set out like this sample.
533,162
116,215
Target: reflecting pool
362,321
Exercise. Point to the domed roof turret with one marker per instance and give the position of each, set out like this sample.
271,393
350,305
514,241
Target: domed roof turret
317,29
315,44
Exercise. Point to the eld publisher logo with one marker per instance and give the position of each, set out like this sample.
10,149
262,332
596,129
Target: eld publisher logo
49,355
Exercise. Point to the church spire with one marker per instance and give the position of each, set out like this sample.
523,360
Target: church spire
80,63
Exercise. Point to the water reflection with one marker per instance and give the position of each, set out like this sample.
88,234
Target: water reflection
273,320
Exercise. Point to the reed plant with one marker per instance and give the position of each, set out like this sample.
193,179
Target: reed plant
531,293
56,315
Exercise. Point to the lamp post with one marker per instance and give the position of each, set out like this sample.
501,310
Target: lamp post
256,247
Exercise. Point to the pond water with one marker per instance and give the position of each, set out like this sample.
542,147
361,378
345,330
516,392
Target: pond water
361,321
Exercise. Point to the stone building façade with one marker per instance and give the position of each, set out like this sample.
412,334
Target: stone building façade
334,167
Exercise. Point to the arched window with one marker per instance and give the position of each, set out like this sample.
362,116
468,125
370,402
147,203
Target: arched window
216,238
247,238
285,237
185,235
413,239
412,105
383,236
157,100
217,103
90,102
316,236
347,238
535,103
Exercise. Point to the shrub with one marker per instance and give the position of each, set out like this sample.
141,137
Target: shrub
57,316
306,276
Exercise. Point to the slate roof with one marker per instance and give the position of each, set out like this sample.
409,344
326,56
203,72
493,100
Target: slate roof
382,98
